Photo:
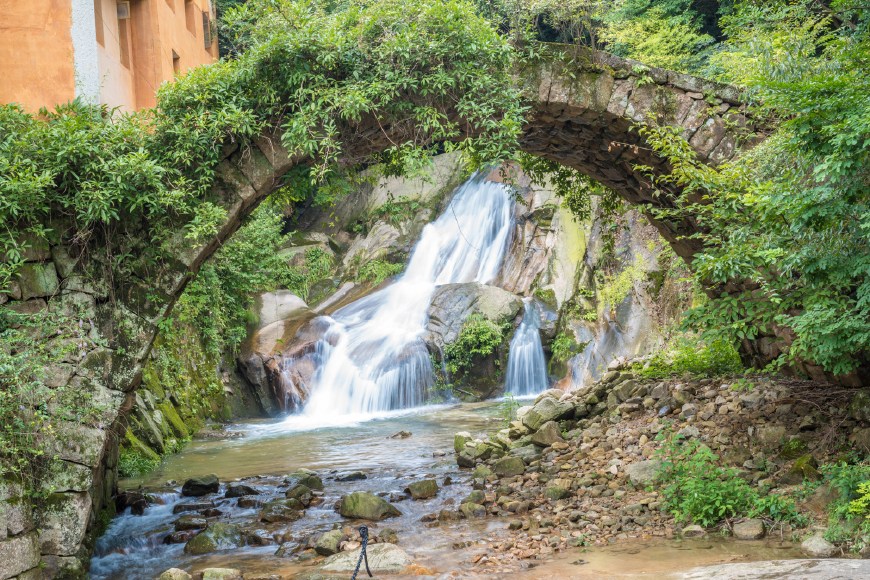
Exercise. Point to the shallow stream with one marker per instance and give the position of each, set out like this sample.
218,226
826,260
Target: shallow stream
262,453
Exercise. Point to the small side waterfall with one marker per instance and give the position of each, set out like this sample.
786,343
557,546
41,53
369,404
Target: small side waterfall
372,357
527,367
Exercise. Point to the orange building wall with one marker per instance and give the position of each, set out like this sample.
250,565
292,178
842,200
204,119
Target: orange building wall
36,56
37,66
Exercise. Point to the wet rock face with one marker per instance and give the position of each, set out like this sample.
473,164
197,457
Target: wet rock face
452,304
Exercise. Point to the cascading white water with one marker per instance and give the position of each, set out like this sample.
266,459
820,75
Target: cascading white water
527,367
372,357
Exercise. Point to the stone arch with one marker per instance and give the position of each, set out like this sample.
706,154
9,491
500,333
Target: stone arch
583,106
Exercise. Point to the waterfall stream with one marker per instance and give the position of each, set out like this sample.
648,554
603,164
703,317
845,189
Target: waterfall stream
372,357
527,367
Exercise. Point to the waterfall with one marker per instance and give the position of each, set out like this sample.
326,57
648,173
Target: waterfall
527,367
372,356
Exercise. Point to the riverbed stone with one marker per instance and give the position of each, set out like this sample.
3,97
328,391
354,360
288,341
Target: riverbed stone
424,489
221,574
547,409
366,506
751,529
352,476
693,531
190,522
555,493
306,478
327,543
818,547
460,439
472,510
300,492
240,490
383,558
509,467
200,486
281,510
548,434
216,537
643,473
174,574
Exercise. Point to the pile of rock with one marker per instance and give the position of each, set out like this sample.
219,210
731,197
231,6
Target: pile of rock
580,466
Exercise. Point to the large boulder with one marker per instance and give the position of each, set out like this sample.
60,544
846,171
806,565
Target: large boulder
383,559
818,547
452,304
509,467
366,506
547,435
449,311
643,473
327,544
279,359
547,409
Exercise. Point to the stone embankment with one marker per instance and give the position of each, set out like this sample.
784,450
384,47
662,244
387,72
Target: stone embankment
580,468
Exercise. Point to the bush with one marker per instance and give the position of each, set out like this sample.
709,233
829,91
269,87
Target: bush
478,338
685,356
564,347
697,490
376,271
849,514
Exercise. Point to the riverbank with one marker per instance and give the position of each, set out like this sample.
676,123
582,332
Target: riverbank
616,461
569,500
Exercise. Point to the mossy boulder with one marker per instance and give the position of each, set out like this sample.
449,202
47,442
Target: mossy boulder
300,492
509,467
282,510
556,493
216,537
805,467
366,506
327,544
859,408
424,489
305,477
472,510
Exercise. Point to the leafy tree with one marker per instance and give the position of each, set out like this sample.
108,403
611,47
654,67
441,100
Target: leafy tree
790,218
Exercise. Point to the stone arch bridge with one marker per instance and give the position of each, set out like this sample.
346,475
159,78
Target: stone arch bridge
582,109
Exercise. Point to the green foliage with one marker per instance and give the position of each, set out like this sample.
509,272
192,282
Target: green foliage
656,39
564,347
686,355
478,339
848,514
507,409
573,187
614,289
132,464
32,409
217,301
425,73
697,489
396,211
376,271
790,218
